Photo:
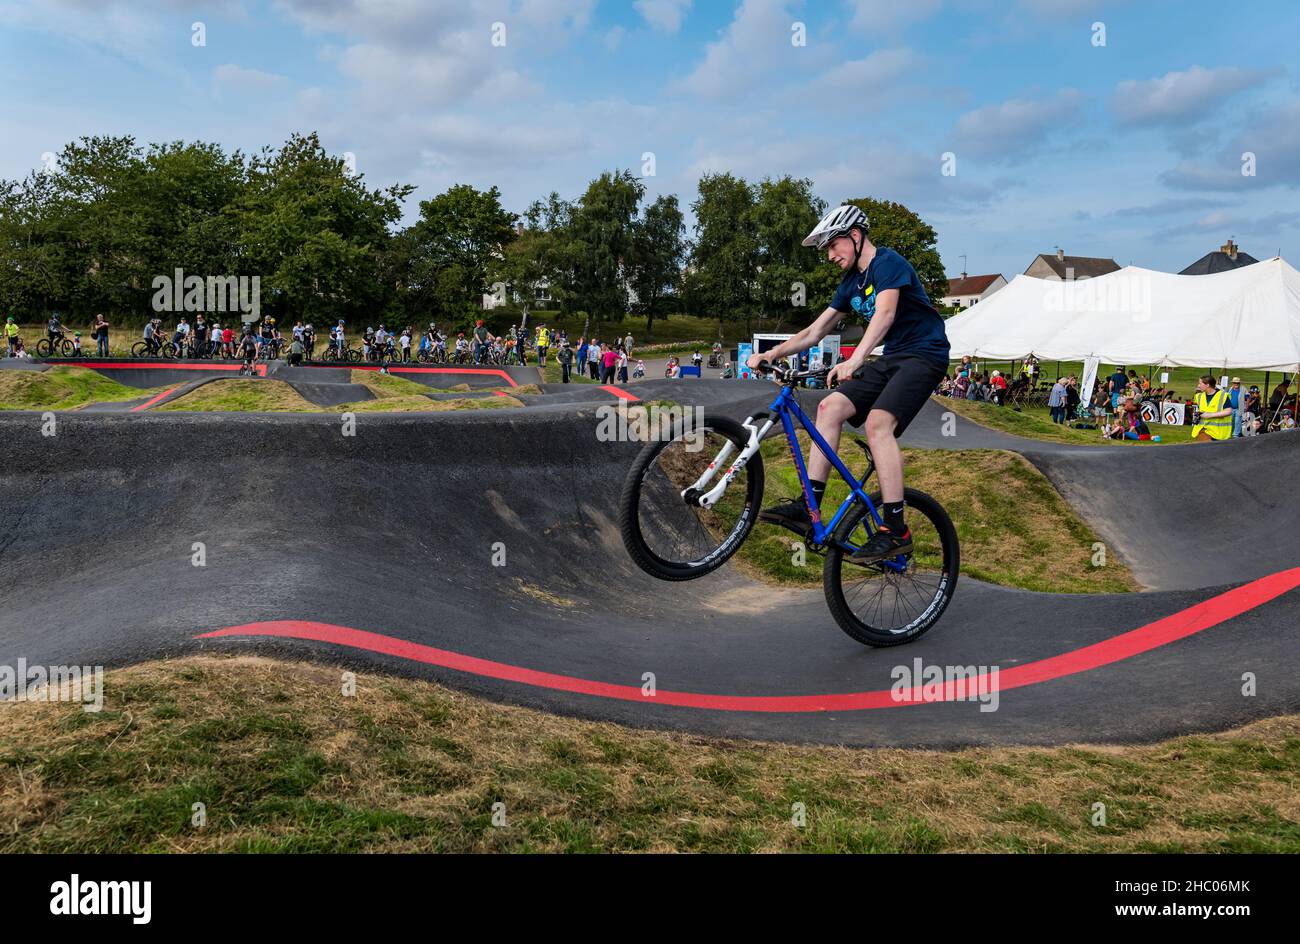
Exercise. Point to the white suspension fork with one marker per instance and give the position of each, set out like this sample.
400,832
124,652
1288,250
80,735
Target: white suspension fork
723,460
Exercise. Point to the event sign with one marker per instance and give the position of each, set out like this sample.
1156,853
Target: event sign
743,350
1090,365
1170,414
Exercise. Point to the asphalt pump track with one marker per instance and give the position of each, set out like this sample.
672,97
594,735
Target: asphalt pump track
378,551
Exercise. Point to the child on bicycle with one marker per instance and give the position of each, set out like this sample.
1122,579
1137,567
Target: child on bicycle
248,351
54,331
882,289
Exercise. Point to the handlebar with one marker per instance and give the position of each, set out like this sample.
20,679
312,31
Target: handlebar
787,376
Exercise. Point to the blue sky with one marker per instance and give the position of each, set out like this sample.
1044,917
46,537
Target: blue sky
1131,149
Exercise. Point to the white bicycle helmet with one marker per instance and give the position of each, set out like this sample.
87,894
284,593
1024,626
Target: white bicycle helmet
836,223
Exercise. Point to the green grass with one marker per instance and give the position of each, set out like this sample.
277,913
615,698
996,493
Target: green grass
282,761
61,388
1014,528
1035,422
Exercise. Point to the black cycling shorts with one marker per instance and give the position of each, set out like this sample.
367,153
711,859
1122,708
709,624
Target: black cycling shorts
899,385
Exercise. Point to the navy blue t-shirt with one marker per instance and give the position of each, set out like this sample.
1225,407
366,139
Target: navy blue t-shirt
917,329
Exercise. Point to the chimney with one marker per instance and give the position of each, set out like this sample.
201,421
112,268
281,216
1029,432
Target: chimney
1230,249
1060,255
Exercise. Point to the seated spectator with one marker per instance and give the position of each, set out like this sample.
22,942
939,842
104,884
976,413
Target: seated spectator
1129,423
960,385
998,388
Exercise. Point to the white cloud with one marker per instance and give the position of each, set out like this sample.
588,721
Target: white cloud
238,78
666,15
755,44
1010,129
1062,7
1272,138
882,67
890,15
1175,97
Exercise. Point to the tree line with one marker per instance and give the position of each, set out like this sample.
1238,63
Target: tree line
92,232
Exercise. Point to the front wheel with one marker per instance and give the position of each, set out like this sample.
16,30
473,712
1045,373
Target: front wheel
671,538
893,602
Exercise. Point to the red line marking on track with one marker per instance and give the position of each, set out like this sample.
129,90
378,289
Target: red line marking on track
619,392
158,365
1171,628
145,406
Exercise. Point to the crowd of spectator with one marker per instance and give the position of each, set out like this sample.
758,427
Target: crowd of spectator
1116,404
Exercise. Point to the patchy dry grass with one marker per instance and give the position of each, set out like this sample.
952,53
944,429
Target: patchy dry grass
1014,528
388,385
242,394
422,404
62,388
284,762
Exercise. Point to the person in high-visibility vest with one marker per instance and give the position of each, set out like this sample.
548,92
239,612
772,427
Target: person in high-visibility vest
1214,412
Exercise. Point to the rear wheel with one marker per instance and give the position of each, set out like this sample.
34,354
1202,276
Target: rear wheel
670,538
880,605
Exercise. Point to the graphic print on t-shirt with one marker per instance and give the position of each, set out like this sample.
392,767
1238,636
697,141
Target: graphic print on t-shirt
865,304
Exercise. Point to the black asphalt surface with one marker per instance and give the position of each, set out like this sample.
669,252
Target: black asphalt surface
393,531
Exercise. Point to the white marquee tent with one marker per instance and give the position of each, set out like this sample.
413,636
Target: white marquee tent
1244,318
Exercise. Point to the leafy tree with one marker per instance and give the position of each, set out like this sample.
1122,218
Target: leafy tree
539,257
785,211
655,262
725,257
458,240
315,233
599,245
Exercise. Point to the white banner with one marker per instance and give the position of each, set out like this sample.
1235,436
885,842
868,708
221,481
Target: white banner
1089,378
1173,414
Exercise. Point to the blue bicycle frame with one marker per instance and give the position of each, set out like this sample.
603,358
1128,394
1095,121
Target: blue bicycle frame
787,409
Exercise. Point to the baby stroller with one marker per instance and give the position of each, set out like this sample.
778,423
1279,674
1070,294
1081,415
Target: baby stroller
715,356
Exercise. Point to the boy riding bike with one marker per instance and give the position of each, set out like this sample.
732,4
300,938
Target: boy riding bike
882,289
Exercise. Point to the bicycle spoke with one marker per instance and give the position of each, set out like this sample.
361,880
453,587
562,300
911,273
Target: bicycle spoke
886,600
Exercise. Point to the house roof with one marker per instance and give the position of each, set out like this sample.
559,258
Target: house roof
1219,261
972,284
1085,267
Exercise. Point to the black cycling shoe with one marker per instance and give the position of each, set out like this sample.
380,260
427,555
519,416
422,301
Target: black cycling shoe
790,514
883,545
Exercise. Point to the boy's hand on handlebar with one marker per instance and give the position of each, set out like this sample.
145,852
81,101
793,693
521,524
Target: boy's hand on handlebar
839,373
754,360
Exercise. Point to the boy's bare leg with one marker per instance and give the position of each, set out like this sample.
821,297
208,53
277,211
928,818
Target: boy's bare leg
886,454
832,413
